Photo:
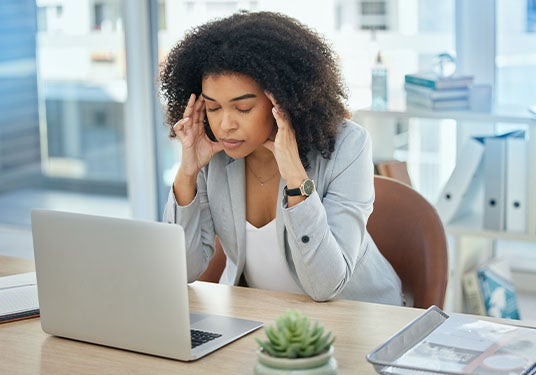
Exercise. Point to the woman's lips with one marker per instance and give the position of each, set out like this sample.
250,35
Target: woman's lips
231,143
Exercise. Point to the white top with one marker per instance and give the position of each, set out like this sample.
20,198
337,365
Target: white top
266,266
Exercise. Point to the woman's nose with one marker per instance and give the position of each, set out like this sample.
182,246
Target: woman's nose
227,122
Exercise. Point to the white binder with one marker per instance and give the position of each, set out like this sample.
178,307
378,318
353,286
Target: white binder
516,184
465,182
495,182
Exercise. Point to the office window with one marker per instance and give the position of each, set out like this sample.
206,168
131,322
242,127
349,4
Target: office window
83,90
98,16
19,110
516,54
106,15
161,15
531,16
373,15
49,18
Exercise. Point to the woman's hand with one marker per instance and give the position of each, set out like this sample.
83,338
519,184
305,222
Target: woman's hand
285,148
197,148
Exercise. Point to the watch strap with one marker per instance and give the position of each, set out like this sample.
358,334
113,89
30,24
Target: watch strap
293,192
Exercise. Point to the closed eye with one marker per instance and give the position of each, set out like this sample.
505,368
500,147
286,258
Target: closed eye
243,110
212,109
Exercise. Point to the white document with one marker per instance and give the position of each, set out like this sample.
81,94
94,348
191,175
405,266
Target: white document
18,296
495,183
516,185
436,343
459,192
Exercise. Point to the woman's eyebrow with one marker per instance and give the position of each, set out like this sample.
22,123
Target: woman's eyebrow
241,97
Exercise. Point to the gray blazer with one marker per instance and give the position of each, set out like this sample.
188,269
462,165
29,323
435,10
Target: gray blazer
328,249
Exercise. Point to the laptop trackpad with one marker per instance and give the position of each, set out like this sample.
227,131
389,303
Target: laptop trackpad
197,317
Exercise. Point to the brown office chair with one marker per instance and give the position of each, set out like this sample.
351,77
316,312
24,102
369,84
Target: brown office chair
410,235
216,266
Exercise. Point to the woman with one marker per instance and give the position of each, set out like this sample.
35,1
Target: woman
270,164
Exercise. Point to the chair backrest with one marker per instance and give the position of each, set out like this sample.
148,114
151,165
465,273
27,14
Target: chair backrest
410,235
217,264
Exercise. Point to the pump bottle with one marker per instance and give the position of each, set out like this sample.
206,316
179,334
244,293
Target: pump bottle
379,84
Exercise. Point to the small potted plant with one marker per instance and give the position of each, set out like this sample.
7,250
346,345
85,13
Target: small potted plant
295,345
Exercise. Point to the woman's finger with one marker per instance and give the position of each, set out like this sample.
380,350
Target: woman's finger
180,128
199,112
281,118
179,125
189,107
271,97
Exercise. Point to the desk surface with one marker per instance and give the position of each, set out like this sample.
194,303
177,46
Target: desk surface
359,327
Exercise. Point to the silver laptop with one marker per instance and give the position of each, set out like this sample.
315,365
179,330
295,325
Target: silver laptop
122,283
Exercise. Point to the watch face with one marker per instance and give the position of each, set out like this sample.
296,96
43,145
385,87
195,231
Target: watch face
308,187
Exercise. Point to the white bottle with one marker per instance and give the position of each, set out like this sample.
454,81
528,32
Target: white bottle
379,84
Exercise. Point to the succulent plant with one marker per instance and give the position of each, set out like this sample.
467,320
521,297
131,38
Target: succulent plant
293,336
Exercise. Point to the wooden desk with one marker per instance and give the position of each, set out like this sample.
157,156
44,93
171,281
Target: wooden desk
359,327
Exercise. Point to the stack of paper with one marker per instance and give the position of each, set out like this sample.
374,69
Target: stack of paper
18,297
457,344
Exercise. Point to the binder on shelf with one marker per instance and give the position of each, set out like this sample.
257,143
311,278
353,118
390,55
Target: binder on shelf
495,185
460,192
494,182
516,183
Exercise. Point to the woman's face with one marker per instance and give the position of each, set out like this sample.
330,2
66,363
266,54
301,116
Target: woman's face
238,111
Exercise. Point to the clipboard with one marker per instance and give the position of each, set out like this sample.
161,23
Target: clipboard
438,343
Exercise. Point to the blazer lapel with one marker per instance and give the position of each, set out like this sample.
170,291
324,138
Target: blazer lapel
279,223
237,187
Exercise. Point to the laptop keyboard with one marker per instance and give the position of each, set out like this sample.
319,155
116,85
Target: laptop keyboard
201,337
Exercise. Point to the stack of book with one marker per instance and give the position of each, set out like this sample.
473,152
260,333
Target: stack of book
489,290
426,90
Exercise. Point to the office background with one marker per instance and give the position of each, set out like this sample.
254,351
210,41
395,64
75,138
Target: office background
81,121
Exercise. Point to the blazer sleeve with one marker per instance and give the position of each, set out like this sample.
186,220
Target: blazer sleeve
196,221
326,233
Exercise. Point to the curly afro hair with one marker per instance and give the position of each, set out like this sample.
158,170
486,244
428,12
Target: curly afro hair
282,55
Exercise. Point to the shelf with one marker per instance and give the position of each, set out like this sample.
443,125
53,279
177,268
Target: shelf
471,225
504,115
397,110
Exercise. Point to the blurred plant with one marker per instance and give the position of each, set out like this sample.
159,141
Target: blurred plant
293,336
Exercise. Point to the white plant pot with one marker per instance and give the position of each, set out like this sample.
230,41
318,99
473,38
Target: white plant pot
321,364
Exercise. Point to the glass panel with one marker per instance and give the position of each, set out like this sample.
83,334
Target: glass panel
19,109
516,53
61,115
82,77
